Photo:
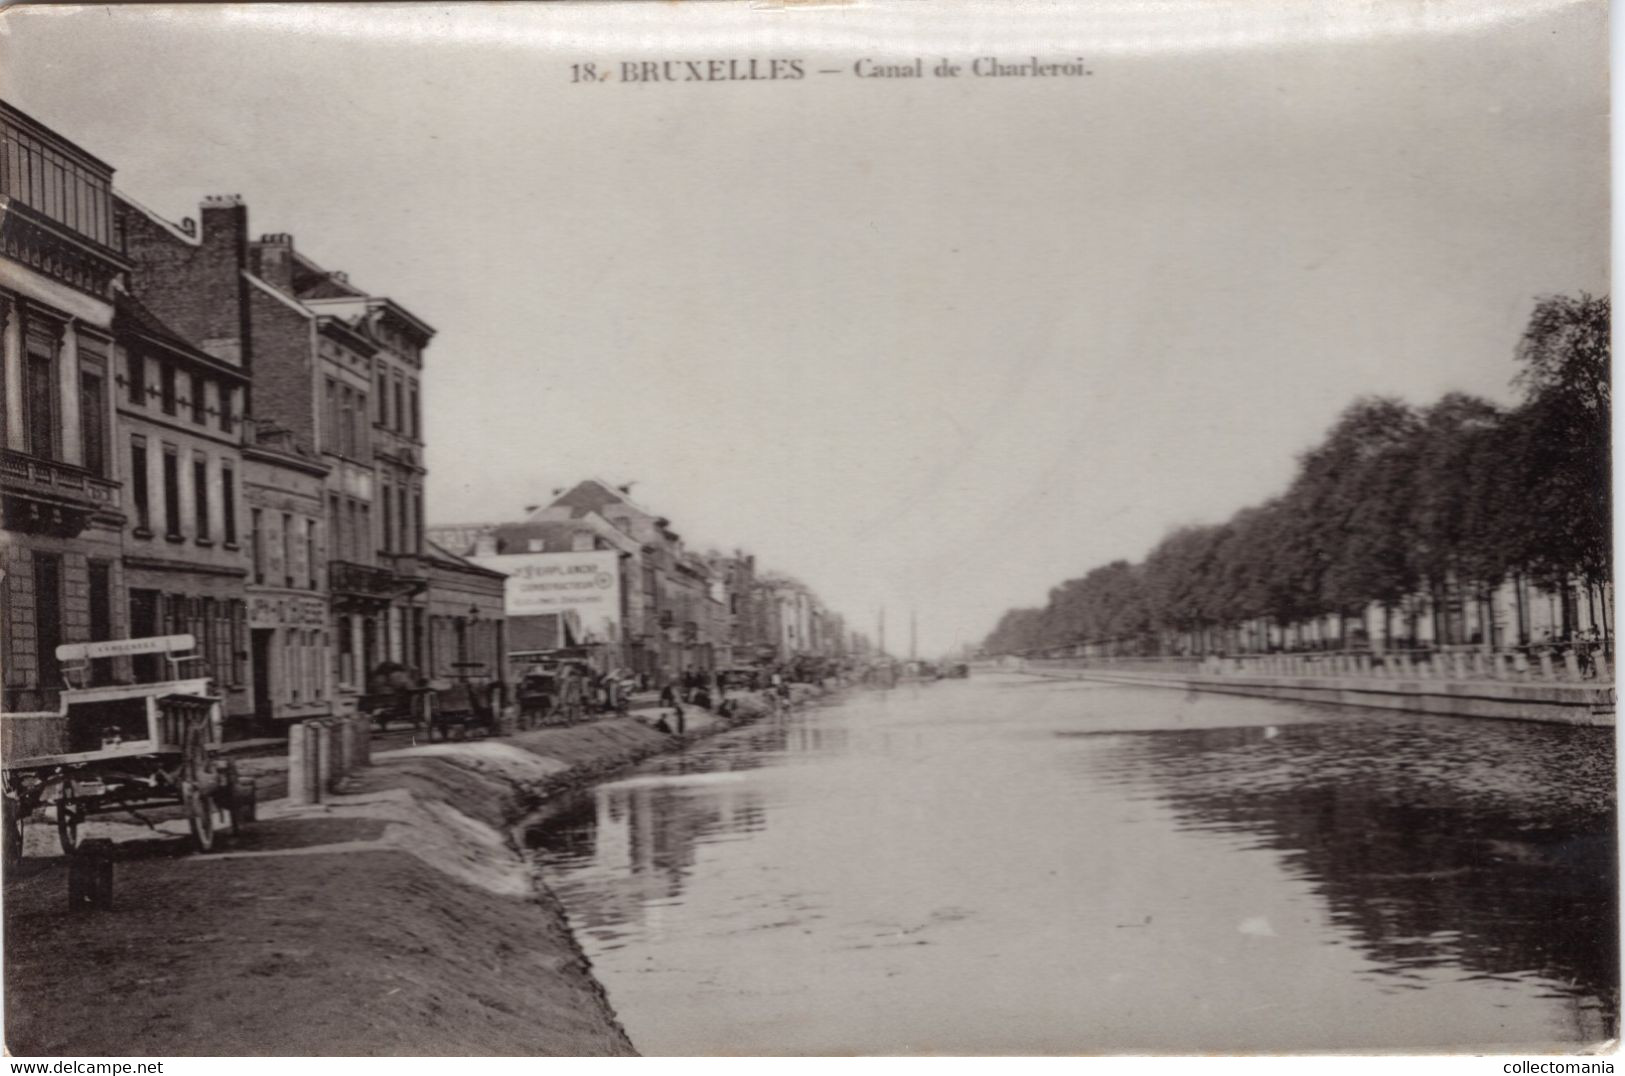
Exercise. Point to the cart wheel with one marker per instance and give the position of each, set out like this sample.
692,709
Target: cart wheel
200,813
13,831
68,816
196,764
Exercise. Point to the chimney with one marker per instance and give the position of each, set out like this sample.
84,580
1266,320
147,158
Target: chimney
273,260
225,222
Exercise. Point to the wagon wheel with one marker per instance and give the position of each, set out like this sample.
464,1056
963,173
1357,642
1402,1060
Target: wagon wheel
68,816
196,764
200,815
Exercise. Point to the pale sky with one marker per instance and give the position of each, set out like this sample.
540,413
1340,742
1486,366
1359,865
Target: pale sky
936,344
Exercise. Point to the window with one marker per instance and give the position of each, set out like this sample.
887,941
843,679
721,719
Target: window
197,399
383,397
287,550
166,386
331,439
228,504
364,534
400,410
417,520
321,662
310,553
358,430
296,662
138,379
101,616
417,427
172,492
144,620
406,529
353,545
337,520
39,396
256,543
228,418
93,420
138,485
48,617
200,497
346,651
389,519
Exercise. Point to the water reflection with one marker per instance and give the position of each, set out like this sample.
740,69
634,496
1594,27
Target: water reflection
1484,849
643,837
1027,867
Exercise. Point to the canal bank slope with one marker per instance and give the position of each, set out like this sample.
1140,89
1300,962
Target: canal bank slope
1554,703
398,918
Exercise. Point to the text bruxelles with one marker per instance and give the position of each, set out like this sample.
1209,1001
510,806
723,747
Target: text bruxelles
751,70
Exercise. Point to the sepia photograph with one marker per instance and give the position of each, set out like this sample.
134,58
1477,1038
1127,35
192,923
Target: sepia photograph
807,528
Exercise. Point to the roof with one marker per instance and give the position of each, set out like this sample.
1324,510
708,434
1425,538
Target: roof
13,114
176,231
278,294
132,317
445,558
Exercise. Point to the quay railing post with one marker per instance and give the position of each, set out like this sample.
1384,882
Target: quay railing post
313,761
1571,665
324,756
298,765
346,751
1546,666
1601,661
363,752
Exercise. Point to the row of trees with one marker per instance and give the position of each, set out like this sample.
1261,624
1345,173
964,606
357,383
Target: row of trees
1448,501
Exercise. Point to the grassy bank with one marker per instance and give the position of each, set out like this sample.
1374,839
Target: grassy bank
397,918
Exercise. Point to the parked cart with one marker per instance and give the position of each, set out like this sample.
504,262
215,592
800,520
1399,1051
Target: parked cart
124,748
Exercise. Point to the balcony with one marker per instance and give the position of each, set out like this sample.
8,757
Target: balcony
408,566
48,497
54,249
368,583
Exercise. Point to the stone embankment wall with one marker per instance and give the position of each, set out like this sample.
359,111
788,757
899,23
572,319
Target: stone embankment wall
1559,703
396,917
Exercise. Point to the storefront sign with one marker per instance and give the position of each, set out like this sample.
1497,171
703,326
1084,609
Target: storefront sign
544,584
121,648
286,611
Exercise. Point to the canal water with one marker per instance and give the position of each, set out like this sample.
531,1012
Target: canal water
1015,865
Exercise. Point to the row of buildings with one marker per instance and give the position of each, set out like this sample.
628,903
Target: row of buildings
595,572
205,432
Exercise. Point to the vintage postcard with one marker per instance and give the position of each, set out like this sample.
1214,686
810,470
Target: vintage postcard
764,528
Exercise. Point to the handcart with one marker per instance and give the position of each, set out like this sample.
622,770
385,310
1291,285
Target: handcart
124,748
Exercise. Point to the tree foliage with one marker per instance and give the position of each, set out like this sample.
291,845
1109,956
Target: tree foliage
1394,501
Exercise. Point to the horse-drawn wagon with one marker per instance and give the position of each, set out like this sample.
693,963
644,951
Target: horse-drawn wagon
124,747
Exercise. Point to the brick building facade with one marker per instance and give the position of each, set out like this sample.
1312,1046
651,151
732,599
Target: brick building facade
61,506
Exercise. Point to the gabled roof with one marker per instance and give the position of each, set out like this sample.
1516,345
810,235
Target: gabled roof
132,318
445,558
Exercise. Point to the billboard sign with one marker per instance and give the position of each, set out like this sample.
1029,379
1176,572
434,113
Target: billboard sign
587,585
